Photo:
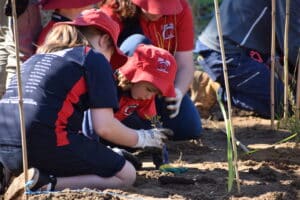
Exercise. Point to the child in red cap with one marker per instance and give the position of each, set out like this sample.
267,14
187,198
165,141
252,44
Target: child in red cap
167,24
69,74
149,72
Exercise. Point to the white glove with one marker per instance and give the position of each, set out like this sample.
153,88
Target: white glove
151,138
174,103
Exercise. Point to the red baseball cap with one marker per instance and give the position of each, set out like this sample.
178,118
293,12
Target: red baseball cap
65,4
98,19
154,65
160,7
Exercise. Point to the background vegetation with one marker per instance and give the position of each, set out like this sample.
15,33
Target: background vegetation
203,11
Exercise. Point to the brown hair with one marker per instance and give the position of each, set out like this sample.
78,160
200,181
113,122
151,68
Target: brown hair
67,36
124,8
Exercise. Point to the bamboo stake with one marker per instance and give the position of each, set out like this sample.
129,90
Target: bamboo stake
273,64
20,94
298,86
286,55
220,33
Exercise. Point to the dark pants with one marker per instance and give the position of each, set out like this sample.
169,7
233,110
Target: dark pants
249,81
11,158
81,156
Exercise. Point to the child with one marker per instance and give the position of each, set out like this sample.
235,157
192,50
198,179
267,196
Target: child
70,74
150,71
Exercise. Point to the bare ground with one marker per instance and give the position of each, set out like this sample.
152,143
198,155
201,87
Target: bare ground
271,173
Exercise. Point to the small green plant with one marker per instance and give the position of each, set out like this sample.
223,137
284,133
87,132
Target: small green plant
230,154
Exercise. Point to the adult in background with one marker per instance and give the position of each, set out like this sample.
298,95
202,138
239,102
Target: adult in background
29,26
69,74
247,40
169,25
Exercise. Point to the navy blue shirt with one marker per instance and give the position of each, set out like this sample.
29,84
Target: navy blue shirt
57,88
247,23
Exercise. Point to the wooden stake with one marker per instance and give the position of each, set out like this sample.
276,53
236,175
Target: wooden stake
298,86
220,33
20,94
286,55
273,64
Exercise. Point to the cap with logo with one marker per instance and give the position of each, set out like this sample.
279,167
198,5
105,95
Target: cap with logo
154,65
98,19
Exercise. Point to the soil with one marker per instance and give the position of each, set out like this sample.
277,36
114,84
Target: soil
270,173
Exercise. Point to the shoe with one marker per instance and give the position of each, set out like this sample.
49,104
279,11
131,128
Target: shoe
204,93
129,157
36,180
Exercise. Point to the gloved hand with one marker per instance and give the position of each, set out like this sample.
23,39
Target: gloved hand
174,103
152,138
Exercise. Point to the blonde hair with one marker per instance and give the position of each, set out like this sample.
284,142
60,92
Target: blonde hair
67,36
123,82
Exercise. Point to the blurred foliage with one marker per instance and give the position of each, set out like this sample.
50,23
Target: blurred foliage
293,125
203,11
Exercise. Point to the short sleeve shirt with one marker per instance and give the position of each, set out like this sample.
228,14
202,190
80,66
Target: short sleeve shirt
57,88
172,32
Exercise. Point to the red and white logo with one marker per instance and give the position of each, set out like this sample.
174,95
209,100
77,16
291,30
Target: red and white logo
130,109
163,65
168,31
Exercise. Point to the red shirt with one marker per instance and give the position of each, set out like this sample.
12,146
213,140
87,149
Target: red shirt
171,32
144,108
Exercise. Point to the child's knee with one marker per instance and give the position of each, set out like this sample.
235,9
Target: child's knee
127,175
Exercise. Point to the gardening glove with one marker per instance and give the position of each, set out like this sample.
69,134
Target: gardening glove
174,103
152,138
